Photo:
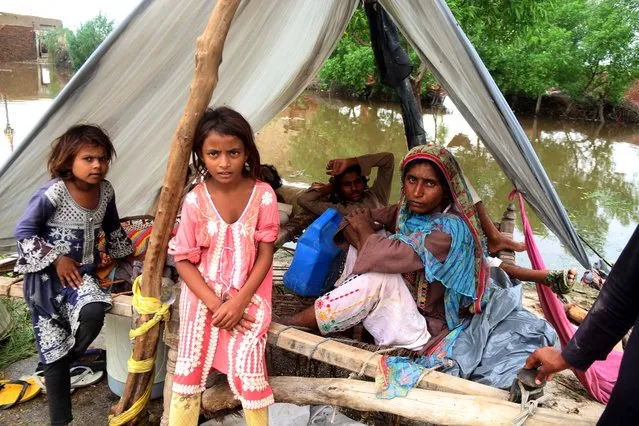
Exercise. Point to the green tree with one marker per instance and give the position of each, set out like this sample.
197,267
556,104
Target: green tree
352,61
87,38
56,43
606,47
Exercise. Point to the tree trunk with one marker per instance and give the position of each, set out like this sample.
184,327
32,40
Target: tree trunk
208,56
538,106
569,109
601,112
422,405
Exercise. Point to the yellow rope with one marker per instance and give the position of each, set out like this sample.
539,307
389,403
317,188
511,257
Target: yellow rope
135,409
145,306
141,366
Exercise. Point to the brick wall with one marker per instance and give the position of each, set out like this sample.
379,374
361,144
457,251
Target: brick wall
17,44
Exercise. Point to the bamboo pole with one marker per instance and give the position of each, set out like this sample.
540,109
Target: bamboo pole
422,405
353,359
208,56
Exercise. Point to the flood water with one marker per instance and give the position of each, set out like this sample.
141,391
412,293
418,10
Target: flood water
594,168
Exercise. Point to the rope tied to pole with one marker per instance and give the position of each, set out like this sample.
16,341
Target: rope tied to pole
144,306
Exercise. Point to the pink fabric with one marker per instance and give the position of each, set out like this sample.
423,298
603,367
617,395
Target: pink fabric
601,377
224,254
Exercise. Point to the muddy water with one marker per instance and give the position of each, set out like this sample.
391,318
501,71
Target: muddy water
595,169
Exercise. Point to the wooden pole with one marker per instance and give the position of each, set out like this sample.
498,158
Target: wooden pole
208,56
434,407
353,359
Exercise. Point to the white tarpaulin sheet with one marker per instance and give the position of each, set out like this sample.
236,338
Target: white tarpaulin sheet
136,85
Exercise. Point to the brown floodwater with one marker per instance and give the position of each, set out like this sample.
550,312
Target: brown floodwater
594,168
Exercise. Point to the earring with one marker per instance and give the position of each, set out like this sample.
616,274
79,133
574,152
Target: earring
247,166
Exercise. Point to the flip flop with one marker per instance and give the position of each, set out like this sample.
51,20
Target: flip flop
82,376
13,392
38,379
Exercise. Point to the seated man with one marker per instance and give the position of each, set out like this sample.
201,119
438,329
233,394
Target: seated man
348,186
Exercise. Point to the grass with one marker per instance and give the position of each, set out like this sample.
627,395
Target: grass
20,343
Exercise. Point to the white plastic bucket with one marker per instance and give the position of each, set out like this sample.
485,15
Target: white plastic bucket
119,348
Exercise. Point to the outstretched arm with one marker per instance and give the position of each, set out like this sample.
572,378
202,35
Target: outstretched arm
609,319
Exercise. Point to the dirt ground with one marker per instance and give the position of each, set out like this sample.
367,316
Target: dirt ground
91,404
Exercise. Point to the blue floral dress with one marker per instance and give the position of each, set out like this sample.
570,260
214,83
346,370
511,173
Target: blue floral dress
54,224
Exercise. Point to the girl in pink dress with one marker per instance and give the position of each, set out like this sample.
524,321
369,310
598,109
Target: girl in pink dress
223,252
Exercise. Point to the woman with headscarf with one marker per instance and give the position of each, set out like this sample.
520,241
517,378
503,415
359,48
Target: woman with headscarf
419,286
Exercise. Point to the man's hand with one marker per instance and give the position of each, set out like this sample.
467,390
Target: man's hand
549,361
339,165
67,270
322,188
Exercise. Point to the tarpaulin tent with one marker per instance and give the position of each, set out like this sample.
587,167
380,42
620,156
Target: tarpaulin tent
135,86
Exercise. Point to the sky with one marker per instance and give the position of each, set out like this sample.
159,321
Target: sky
72,13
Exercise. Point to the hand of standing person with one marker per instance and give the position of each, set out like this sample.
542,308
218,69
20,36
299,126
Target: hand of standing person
549,361
67,270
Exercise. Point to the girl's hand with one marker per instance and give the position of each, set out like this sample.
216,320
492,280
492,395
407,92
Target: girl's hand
245,324
67,270
214,304
229,314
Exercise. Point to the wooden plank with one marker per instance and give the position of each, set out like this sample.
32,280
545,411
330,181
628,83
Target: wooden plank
421,405
6,283
7,264
352,359
121,306
16,290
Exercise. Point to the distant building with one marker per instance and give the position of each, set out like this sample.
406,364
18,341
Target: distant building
19,39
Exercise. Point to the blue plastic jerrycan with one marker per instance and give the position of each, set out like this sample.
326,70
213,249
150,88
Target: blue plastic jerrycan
313,269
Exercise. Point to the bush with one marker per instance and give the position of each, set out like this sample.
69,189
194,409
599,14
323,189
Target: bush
87,38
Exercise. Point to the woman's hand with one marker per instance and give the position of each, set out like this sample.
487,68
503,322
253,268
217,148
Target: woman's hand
361,221
229,314
67,270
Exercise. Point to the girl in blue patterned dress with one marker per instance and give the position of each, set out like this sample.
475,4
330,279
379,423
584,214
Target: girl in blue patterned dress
57,245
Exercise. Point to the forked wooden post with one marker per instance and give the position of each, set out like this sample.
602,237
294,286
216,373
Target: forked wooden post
208,56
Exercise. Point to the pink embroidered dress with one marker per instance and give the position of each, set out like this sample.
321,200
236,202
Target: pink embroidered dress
224,254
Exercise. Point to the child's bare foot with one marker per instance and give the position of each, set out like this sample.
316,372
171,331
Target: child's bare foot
500,242
561,281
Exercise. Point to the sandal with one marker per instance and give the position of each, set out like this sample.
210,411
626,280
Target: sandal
38,379
82,376
13,392
559,282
